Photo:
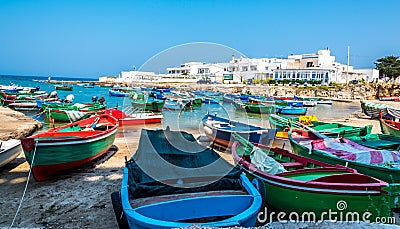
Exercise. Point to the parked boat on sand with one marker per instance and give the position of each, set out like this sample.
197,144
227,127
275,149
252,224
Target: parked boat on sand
147,201
56,150
298,184
9,150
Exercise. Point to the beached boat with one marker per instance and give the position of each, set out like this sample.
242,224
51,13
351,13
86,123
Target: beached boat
309,103
174,198
373,110
381,164
298,184
390,126
9,150
378,141
117,93
288,110
219,130
135,118
149,104
284,123
63,87
24,106
56,150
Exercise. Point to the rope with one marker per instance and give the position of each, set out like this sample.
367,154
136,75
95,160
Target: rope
26,186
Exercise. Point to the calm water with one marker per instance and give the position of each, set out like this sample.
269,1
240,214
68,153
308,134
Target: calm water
189,120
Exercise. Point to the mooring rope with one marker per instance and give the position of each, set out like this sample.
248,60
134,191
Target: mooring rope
26,187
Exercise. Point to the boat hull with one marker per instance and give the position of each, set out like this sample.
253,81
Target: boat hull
390,127
9,152
53,152
239,211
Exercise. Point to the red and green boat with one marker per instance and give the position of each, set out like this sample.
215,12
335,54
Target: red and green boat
381,164
72,113
150,104
66,147
134,119
299,184
254,107
390,127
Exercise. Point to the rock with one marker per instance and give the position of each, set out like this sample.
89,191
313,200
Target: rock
16,125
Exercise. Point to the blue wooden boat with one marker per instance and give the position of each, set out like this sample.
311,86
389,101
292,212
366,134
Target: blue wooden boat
174,195
210,101
288,110
229,98
294,103
219,130
116,93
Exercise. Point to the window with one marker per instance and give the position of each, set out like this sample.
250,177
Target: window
253,68
310,64
245,68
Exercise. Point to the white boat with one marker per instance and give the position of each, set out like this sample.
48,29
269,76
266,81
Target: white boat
9,150
309,103
326,102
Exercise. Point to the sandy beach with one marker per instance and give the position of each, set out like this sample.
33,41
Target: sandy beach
81,198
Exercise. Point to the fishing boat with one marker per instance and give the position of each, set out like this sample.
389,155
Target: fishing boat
63,87
133,119
389,126
149,104
24,106
208,100
309,103
381,164
288,110
373,110
174,104
56,150
378,141
88,85
9,150
324,102
298,184
219,130
186,194
258,108
72,113
117,93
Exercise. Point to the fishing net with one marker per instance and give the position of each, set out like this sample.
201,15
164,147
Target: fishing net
161,168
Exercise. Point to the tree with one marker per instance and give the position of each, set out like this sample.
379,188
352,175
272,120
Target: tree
389,66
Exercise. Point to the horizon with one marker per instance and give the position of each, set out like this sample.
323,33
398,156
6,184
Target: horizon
41,38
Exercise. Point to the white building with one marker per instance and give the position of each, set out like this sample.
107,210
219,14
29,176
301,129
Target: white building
320,66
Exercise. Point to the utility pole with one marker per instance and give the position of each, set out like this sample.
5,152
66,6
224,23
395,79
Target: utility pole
348,63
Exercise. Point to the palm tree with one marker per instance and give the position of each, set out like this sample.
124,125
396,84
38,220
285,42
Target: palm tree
389,66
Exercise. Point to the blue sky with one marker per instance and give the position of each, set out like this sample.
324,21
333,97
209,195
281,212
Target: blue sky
95,38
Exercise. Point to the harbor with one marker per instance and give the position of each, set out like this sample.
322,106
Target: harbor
77,195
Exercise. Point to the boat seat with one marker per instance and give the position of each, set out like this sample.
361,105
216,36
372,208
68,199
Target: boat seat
296,165
157,199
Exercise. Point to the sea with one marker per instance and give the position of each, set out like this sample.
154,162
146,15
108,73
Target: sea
179,120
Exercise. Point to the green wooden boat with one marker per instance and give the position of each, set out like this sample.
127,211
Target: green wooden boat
298,184
390,127
57,150
149,104
378,141
63,87
328,129
257,108
72,113
381,164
